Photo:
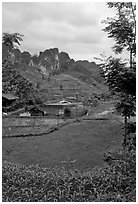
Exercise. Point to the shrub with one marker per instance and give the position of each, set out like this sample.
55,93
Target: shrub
115,182
67,112
131,127
61,87
79,111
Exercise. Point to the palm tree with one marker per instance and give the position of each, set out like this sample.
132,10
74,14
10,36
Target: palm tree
9,43
11,39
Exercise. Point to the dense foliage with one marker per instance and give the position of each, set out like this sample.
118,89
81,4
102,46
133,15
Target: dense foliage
120,74
113,182
122,82
13,82
11,40
122,27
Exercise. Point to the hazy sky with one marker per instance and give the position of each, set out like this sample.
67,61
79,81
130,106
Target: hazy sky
74,28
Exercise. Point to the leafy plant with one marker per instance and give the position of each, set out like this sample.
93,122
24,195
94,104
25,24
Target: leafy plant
11,39
119,74
9,43
67,112
115,182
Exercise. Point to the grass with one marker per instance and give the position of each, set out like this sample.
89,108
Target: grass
81,144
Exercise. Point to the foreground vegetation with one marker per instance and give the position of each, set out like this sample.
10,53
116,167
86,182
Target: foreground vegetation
113,182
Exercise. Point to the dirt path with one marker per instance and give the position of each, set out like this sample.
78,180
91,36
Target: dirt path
107,109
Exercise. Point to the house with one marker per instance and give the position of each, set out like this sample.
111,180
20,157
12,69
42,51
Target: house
25,114
8,100
57,108
64,102
36,111
71,99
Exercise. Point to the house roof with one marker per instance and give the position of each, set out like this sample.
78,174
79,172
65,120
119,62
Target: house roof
60,103
64,102
71,97
9,96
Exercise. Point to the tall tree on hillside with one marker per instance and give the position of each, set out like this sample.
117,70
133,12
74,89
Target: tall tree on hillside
121,76
10,41
25,57
122,29
35,59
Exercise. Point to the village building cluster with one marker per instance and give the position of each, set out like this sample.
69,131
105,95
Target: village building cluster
41,110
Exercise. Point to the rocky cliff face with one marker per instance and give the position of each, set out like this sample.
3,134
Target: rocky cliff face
41,76
51,61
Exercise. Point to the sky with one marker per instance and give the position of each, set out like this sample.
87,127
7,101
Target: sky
74,28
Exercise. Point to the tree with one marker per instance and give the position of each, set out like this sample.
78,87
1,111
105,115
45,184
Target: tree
35,60
38,84
122,28
77,96
121,76
25,57
67,112
61,87
10,41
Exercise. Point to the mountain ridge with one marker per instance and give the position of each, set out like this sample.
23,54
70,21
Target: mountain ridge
44,72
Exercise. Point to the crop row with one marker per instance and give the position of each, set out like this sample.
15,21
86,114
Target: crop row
111,183
31,131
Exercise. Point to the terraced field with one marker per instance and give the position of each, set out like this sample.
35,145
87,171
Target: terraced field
70,85
17,126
